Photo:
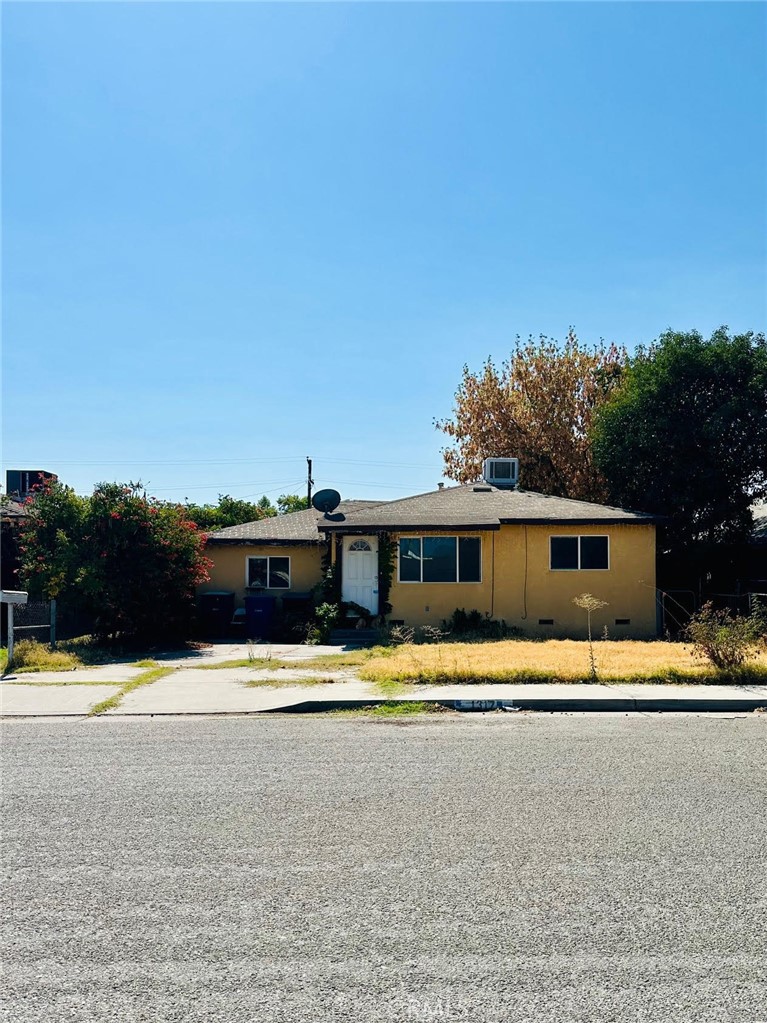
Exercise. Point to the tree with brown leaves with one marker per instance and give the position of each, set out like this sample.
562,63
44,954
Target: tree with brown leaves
537,407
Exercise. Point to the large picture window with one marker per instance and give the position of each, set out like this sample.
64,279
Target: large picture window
268,573
440,559
574,553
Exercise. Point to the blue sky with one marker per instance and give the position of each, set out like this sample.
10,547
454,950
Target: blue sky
239,234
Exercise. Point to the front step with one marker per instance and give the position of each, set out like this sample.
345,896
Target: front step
354,637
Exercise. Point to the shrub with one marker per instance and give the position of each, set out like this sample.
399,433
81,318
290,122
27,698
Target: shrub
724,639
325,617
31,655
398,635
352,610
430,634
129,560
475,625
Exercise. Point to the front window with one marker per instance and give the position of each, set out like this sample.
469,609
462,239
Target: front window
440,559
269,573
574,553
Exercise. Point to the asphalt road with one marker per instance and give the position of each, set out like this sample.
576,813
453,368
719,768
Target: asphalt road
505,868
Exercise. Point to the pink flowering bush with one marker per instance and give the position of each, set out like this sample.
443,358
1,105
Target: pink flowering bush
133,562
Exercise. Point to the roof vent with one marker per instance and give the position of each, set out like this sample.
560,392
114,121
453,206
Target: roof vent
481,488
501,472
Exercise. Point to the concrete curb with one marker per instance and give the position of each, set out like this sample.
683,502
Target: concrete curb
541,704
612,704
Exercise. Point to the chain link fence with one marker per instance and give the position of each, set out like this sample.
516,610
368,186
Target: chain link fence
677,606
35,620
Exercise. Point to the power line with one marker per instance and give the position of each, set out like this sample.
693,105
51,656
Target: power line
231,461
284,483
289,487
209,486
385,486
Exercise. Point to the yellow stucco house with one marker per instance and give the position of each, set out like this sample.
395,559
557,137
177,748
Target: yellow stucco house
509,553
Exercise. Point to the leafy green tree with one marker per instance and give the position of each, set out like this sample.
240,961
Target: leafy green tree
685,435
287,503
131,561
266,507
230,511
539,407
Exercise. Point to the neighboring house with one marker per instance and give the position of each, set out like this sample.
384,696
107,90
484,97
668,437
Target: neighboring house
22,483
508,553
12,516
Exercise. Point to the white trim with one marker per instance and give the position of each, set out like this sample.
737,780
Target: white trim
267,558
444,582
579,537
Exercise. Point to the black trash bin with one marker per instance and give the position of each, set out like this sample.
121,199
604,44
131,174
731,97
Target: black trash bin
259,614
216,612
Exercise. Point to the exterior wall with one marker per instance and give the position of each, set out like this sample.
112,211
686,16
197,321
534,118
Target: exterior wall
230,566
519,587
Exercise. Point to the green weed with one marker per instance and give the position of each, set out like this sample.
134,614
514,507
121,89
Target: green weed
144,679
29,655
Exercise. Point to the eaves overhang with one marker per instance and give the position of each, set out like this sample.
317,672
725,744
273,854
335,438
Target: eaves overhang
650,521
253,542
409,527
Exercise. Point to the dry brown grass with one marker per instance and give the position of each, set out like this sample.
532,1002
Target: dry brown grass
29,655
554,660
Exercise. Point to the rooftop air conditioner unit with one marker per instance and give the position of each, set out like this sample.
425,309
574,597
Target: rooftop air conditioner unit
501,472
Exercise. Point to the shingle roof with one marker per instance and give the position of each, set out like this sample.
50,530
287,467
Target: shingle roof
297,528
480,506
12,509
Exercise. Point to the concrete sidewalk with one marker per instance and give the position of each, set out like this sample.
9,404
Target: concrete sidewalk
217,653
25,701
191,691
194,691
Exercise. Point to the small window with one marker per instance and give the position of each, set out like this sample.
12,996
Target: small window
469,559
258,571
269,573
360,545
279,573
545,621
623,621
410,560
594,552
564,552
584,553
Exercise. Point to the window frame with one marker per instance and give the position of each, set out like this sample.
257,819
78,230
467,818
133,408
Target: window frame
267,558
579,537
445,582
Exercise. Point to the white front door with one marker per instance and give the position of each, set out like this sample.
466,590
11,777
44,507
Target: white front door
359,572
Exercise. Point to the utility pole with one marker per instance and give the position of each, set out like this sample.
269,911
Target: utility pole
309,480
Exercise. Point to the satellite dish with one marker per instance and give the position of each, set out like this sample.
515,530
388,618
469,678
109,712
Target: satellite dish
326,501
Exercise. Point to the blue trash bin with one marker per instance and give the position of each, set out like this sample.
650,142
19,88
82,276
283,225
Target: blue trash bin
259,614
